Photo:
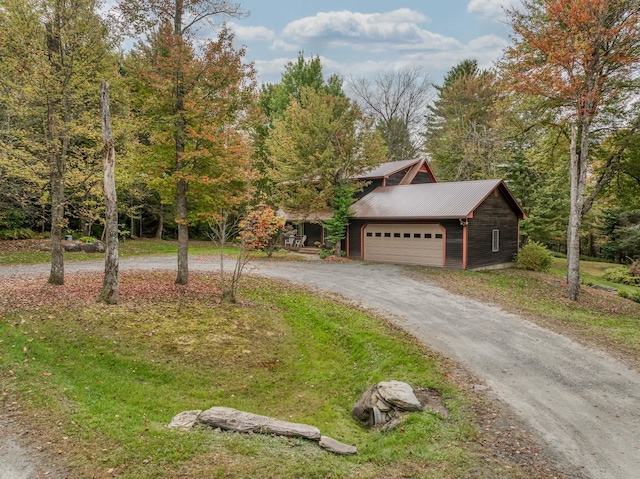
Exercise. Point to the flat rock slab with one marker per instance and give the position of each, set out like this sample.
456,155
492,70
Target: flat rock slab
400,395
185,419
337,447
234,420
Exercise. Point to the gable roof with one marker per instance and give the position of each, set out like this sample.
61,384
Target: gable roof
387,169
430,200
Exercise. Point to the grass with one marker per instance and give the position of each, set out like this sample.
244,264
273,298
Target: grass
101,382
591,273
27,252
600,318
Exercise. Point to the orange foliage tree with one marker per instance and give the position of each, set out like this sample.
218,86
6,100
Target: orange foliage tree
580,55
193,95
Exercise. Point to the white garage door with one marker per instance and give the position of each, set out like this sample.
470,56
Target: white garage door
405,243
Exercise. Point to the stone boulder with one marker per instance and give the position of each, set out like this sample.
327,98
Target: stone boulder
234,420
337,447
400,395
185,419
72,246
385,404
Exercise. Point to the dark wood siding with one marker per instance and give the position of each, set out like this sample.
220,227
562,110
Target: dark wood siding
355,250
396,178
454,243
421,178
494,213
373,184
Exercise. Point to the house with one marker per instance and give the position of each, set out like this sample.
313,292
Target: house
405,216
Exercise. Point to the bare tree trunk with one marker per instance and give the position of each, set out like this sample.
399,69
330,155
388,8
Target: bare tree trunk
109,293
579,161
56,276
57,145
160,229
181,197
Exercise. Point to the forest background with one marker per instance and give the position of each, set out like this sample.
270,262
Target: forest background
197,137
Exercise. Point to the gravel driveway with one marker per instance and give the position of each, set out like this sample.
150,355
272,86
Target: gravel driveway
581,403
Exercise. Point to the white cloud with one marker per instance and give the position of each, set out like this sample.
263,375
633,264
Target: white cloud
493,9
252,33
281,45
398,29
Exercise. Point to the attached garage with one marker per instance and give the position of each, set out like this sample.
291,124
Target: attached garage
422,244
466,225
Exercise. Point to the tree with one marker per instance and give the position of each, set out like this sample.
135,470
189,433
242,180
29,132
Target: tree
322,143
172,25
53,53
460,134
275,98
397,101
109,293
581,55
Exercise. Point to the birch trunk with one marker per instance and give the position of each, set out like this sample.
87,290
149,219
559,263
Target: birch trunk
579,163
109,293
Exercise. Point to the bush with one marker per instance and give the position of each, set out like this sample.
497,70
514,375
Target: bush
18,234
621,275
622,293
534,257
88,239
634,269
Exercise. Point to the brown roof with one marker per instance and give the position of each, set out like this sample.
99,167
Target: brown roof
430,200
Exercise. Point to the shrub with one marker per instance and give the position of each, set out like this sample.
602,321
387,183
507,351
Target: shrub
534,257
621,275
622,293
88,239
634,269
18,234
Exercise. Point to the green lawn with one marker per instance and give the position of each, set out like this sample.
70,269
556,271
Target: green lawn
99,383
27,252
591,273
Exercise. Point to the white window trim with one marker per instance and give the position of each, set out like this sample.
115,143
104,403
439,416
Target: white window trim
495,241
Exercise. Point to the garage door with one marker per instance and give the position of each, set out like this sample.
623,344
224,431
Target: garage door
405,243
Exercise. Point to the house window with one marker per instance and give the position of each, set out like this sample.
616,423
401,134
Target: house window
427,235
378,235
407,235
416,235
369,235
396,235
387,235
495,241
438,235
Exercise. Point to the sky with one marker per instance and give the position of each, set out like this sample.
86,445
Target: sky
363,38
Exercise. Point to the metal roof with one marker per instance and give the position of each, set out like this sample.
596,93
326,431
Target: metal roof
304,216
429,200
388,168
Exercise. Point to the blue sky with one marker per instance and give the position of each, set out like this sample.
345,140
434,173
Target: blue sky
354,37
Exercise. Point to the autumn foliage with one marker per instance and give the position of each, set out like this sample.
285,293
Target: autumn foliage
261,229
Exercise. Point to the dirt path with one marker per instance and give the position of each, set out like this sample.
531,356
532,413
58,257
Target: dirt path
581,403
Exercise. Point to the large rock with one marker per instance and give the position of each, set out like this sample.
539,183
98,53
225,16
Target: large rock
399,394
384,402
337,447
100,247
234,420
185,419
72,246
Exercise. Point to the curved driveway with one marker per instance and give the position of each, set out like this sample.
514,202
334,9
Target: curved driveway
584,405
